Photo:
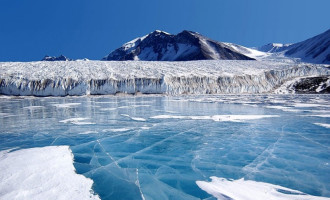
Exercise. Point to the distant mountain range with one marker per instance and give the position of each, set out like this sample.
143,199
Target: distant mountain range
273,47
54,58
314,50
189,45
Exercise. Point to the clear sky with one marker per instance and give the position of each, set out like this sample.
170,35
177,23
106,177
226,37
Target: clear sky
30,29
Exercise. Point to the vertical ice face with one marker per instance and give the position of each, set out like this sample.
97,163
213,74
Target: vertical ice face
195,77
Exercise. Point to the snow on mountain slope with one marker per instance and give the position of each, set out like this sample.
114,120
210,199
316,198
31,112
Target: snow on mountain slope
273,47
187,45
193,77
252,53
314,50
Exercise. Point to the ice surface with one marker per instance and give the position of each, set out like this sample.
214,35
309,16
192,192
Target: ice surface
242,189
326,116
266,139
112,77
42,173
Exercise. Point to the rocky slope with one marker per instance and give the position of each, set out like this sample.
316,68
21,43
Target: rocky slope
187,45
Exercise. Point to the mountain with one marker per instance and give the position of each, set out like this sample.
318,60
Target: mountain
314,50
54,58
273,47
249,52
187,45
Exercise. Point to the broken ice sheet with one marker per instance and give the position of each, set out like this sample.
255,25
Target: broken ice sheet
163,157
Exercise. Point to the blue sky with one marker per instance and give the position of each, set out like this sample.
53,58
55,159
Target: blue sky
30,29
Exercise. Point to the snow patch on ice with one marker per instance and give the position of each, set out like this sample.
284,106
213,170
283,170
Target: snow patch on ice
116,130
323,125
307,105
107,109
223,118
145,127
77,121
134,118
33,107
241,189
66,105
133,106
284,108
88,132
42,173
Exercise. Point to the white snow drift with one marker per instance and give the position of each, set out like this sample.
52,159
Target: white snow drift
42,173
217,118
241,189
62,78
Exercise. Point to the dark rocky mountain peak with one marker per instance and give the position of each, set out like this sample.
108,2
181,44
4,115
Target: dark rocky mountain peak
187,45
54,58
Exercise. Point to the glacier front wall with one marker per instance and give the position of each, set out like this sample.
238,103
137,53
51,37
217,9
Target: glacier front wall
264,82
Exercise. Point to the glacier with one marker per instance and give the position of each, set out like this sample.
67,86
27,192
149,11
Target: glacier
60,78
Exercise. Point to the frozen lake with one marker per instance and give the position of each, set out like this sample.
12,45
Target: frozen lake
157,147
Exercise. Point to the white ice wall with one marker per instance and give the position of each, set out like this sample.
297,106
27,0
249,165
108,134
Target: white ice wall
197,77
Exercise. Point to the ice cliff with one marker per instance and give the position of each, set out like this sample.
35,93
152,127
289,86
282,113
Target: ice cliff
173,78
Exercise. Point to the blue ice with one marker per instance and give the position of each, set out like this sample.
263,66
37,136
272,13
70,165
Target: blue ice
157,147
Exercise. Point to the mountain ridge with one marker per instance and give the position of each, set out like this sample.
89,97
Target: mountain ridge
313,50
184,46
54,58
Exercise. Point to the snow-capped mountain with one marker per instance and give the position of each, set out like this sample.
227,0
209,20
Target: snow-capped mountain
249,52
273,47
54,58
187,45
314,50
